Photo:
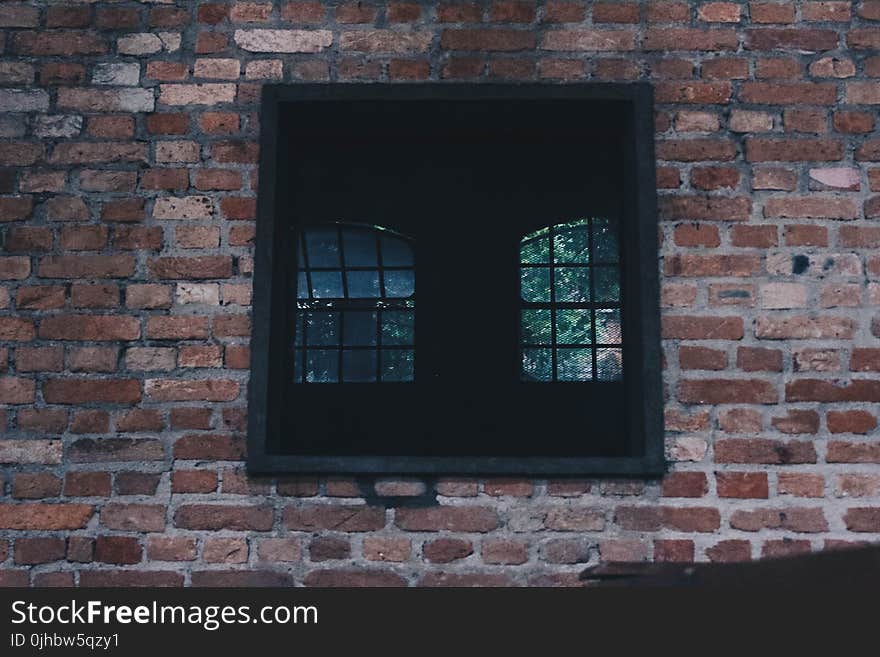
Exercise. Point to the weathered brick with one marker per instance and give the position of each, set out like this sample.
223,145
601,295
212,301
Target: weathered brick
451,518
134,517
37,516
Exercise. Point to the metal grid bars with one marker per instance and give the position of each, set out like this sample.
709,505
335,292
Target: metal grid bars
355,309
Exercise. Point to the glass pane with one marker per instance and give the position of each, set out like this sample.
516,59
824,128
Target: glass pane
398,327
399,284
607,284
605,244
608,329
536,327
323,246
572,284
327,284
537,365
535,283
574,364
361,249
322,328
571,243
299,254
573,326
297,336
322,365
302,286
358,365
359,328
298,365
363,284
396,252
609,364
535,248
397,364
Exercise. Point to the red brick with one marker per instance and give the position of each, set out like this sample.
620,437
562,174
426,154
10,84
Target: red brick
192,390
575,519
791,518
778,68
113,18
37,485
730,551
171,548
86,266
727,391
832,391
217,447
137,483
852,421
344,518
80,391
125,210
117,549
15,208
789,93
504,552
39,359
745,485
45,420
701,358
89,327
711,265
203,267
770,149
865,519
32,551
36,516
193,481
772,38
761,450
697,235
451,518
211,42
705,208
758,359
556,12
217,516
17,390
686,327
806,235
676,551
190,418
103,450
87,484
484,39
683,38
684,484
753,236
800,484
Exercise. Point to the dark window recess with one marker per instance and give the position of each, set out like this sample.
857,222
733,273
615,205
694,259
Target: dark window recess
523,219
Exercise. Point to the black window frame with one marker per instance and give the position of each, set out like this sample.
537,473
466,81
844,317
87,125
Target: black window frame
271,296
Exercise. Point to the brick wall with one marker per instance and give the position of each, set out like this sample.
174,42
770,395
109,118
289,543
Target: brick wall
127,194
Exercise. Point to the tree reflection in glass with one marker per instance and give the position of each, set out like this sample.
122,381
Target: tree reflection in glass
570,327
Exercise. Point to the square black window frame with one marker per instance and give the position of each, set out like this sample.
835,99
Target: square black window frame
315,113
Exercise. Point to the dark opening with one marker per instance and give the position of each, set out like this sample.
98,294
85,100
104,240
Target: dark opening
519,219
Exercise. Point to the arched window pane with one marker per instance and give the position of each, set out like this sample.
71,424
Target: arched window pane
570,327
355,320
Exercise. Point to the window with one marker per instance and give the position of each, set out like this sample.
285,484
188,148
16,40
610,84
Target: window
570,288
523,219
355,306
